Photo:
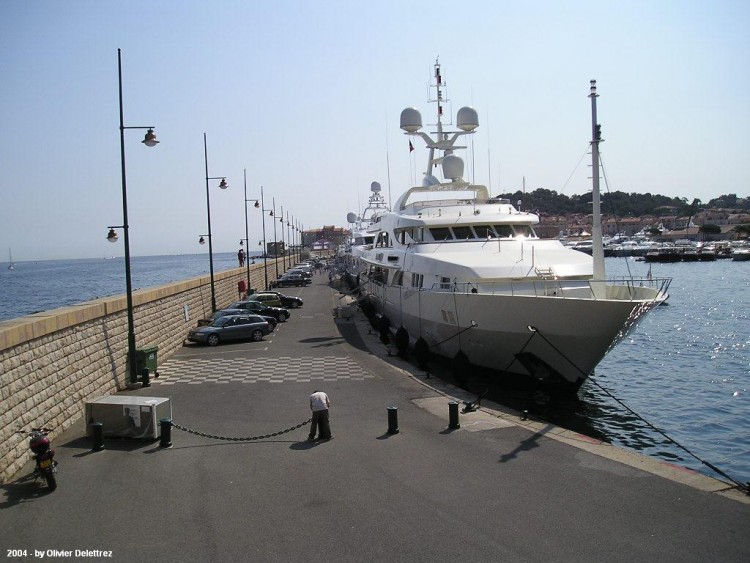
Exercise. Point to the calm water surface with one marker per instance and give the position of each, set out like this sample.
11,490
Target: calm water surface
686,368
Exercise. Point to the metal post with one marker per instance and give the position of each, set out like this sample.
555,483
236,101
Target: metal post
97,435
166,433
453,415
128,284
283,242
275,248
265,246
393,420
210,242
247,236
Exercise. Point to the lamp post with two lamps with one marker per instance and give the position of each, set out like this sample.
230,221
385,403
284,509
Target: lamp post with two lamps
223,185
149,141
247,235
275,244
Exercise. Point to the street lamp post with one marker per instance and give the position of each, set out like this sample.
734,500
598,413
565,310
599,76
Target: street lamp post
288,237
150,141
283,242
247,235
265,245
275,244
223,185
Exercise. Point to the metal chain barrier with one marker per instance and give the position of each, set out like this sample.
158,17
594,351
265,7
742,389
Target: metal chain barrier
248,439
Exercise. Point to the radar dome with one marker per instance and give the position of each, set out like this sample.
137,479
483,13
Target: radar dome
467,119
411,120
351,217
453,167
375,187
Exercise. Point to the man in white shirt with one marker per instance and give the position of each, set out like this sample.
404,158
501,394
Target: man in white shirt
319,403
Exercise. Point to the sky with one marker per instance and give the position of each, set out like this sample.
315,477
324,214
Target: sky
304,98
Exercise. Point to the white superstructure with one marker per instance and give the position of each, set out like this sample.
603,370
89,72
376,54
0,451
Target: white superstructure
466,274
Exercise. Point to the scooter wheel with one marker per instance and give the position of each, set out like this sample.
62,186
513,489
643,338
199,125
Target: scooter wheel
51,480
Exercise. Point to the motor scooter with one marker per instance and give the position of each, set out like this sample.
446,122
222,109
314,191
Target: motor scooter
46,466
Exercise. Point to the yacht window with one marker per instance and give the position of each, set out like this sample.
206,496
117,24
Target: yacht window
416,280
445,283
440,233
398,278
524,231
463,232
504,231
484,231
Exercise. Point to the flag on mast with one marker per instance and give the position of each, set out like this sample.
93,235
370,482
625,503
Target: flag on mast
411,147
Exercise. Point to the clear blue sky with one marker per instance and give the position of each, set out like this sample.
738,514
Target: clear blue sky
306,96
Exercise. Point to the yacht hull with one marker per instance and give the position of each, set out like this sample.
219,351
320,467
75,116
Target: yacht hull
551,338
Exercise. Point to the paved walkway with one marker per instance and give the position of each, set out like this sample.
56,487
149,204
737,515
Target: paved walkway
497,489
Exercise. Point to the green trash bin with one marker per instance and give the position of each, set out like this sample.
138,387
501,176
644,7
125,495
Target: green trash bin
146,358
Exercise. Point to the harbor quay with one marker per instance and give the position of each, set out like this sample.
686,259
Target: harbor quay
242,482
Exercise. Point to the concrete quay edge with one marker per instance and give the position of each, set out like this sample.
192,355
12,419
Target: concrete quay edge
493,415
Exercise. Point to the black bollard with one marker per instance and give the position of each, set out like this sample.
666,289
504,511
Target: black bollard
453,415
392,420
166,433
145,379
97,434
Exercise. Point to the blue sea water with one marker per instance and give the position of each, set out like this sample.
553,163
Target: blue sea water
685,369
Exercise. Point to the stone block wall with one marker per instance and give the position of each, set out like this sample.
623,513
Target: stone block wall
51,363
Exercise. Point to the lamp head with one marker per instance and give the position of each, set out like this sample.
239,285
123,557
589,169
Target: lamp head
150,139
257,204
223,184
201,241
112,236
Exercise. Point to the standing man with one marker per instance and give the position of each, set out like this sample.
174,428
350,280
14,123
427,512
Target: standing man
319,404
241,257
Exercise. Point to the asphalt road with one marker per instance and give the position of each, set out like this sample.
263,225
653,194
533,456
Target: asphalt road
493,490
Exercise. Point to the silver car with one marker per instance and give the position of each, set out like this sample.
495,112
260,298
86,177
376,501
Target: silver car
227,328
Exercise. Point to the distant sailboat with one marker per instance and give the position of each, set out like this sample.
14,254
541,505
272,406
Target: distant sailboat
10,260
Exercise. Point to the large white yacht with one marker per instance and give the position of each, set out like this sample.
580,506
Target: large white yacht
360,239
466,277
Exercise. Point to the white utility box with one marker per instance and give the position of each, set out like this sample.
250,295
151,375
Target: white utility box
128,416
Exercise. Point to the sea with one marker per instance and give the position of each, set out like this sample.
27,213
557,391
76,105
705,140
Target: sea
676,389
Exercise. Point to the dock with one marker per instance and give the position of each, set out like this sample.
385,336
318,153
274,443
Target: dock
241,481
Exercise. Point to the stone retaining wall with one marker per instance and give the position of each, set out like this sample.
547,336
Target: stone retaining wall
51,363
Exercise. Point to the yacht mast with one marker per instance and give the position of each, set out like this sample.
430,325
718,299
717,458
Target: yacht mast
596,226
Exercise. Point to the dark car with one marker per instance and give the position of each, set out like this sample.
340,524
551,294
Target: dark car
289,301
230,327
257,308
290,280
301,271
226,312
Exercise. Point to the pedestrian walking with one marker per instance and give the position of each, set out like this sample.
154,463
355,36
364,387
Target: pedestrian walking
319,404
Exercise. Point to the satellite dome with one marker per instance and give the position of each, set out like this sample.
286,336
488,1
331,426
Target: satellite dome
453,167
411,120
351,217
375,187
467,119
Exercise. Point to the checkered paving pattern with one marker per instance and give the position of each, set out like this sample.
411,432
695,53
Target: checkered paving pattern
271,370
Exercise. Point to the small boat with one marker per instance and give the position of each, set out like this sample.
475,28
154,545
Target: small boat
463,275
11,265
741,253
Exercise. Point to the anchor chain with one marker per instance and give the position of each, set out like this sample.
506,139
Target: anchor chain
237,439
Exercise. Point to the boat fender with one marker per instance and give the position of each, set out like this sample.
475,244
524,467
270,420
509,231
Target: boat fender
402,339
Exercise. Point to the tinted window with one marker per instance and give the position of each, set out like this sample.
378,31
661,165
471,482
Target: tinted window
463,232
441,233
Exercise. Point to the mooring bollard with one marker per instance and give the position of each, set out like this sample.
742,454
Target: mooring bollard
392,420
97,435
453,415
145,380
165,425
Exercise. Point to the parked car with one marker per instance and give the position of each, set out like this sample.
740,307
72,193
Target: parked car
230,327
257,308
288,301
225,312
290,280
266,298
302,272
